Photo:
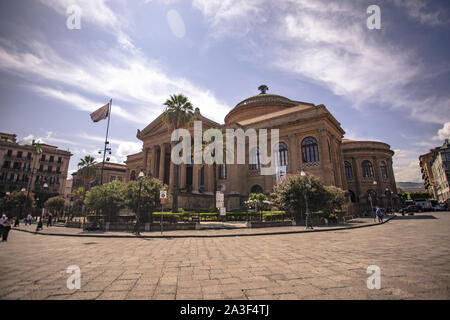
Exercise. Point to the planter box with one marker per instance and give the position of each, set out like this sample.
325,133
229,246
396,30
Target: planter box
73,224
270,224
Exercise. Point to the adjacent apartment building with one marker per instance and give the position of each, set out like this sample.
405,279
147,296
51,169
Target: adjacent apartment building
427,173
111,172
23,168
440,166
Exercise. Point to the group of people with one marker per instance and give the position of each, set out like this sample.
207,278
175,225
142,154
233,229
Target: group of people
5,224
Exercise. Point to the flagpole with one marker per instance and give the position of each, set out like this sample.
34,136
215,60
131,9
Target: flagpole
106,142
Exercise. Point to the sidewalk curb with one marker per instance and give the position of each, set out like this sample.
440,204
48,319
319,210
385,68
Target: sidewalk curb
201,236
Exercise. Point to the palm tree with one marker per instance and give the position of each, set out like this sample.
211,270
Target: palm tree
178,114
87,170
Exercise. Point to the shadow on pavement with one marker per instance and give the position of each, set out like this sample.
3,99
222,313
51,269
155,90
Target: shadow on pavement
415,217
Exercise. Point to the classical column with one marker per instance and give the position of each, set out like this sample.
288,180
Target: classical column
209,178
293,154
154,162
356,177
182,175
391,176
376,168
161,161
324,155
195,177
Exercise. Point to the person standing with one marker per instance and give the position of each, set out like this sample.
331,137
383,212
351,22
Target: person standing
379,215
39,224
29,219
49,221
6,227
2,228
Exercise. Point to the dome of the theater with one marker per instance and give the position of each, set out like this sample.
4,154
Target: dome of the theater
258,105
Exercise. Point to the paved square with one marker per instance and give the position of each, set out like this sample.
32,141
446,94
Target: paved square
413,255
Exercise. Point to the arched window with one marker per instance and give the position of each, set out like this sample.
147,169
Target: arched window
367,169
383,170
281,154
352,196
222,171
256,189
348,170
310,150
255,160
133,175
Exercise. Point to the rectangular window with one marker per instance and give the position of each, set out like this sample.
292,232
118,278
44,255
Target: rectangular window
43,157
29,156
19,154
6,165
52,158
59,160
16,165
49,169
9,153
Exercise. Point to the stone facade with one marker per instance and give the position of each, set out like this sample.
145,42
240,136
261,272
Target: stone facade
440,166
427,173
311,139
22,168
111,172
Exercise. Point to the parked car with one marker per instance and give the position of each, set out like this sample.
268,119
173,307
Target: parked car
411,209
438,207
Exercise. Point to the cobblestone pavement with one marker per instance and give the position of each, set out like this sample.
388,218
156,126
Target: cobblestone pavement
413,254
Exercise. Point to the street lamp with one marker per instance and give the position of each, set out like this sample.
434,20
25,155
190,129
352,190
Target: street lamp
16,223
136,227
308,218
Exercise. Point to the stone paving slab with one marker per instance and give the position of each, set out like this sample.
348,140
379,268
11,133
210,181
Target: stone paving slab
413,256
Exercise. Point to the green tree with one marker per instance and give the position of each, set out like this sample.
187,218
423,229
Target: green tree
108,198
149,198
87,170
55,205
178,114
289,194
336,198
16,202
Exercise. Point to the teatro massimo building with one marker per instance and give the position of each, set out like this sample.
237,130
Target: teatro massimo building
310,139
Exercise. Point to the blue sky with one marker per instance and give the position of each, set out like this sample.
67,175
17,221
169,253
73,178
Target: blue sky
390,85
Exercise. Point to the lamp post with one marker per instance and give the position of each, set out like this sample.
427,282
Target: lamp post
136,227
308,218
16,223
45,186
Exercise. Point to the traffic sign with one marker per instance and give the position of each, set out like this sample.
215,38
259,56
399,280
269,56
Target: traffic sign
163,194
163,200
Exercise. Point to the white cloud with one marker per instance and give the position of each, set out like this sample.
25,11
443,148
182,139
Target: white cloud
406,165
419,10
129,77
443,133
409,173
328,43
94,11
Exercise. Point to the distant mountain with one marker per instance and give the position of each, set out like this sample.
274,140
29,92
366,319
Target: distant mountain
411,186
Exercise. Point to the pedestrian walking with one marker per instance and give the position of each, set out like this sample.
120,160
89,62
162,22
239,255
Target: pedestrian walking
49,221
2,228
6,226
29,219
16,222
379,215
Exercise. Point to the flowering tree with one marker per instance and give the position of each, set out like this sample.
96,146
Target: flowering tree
290,193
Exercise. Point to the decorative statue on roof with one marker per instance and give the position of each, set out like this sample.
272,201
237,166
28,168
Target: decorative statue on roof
263,88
